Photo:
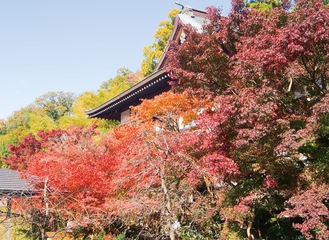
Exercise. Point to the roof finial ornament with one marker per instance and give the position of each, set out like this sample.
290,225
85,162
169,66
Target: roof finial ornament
179,4
186,9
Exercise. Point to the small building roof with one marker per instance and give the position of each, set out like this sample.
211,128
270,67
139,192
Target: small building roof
12,185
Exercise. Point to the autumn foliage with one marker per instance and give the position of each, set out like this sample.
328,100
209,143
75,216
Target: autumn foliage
238,149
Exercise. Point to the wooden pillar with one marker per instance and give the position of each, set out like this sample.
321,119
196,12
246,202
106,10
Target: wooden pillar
46,200
8,215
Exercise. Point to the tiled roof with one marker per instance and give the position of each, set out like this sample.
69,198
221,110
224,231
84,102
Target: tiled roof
11,184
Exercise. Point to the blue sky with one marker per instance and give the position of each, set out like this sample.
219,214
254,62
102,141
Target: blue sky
74,45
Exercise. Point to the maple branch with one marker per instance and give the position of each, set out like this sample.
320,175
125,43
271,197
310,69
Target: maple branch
305,66
311,74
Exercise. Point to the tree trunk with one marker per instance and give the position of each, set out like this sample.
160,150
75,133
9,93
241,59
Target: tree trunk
167,202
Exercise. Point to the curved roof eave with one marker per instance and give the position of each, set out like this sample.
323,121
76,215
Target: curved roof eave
140,86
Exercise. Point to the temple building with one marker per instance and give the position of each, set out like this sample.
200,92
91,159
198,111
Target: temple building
118,108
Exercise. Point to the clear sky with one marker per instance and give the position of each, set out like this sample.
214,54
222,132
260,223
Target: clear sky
74,45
